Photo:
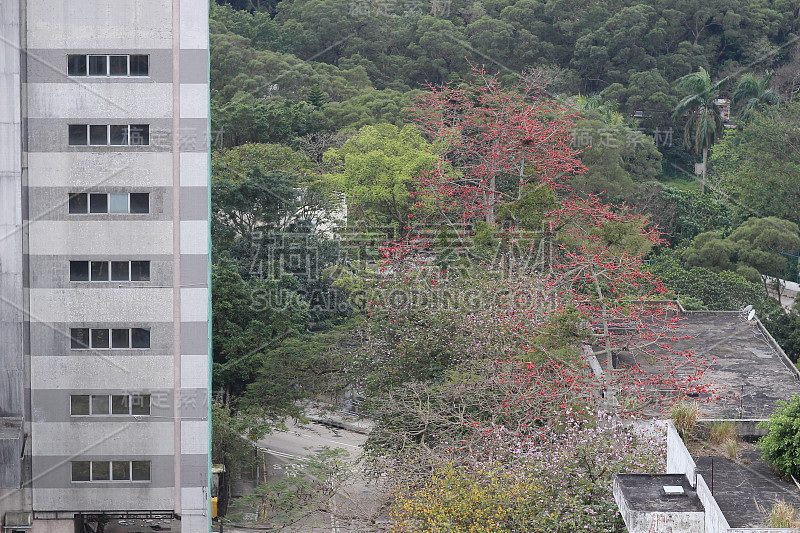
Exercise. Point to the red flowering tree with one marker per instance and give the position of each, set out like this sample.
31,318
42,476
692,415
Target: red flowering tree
597,269
498,140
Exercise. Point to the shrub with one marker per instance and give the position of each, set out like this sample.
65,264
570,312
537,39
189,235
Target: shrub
723,431
781,445
782,515
684,415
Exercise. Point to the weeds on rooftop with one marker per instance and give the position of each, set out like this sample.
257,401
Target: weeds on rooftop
723,431
684,415
782,515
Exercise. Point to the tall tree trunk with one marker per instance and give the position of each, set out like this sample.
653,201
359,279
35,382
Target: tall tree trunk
703,185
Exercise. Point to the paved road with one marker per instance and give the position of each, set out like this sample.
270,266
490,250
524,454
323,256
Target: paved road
283,451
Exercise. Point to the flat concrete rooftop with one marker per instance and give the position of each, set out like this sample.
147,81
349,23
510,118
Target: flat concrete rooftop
644,492
746,492
746,369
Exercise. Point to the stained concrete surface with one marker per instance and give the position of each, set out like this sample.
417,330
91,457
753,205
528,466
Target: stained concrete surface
746,492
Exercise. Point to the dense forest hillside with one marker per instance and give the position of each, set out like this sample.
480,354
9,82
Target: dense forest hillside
343,127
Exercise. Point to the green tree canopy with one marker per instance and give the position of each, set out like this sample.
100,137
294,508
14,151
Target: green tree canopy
375,169
759,165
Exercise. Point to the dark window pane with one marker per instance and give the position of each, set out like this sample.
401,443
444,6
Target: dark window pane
118,65
140,404
101,470
97,66
76,65
140,202
79,270
79,338
98,134
140,65
140,270
80,470
119,271
119,134
120,470
119,404
100,404
120,338
98,203
79,203
140,338
140,470
99,270
79,404
140,134
100,338
77,134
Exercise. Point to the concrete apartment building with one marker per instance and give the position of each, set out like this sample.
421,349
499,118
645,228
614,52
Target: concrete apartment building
104,264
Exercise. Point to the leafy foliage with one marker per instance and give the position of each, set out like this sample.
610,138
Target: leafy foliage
759,166
560,480
781,445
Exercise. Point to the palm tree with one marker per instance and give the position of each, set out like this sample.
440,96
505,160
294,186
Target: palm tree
705,123
754,93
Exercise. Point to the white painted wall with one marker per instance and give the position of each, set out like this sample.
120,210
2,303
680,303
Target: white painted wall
715,520
679,460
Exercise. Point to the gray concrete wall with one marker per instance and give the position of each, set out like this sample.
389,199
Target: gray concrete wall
12,368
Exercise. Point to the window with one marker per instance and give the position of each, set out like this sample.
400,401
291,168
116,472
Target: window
140,470
77,135
140,338
118,135
136,203
119,270
140,270
98,134
110,470
120,338
120,470
108,65
99,270
76,65
101,471
81,470
120,404
79,404
100,404
140,134
79,338
139,202
79,270
97,65
140,404
78,203
139,65
105,404
113,134
117,65
104,338
100,338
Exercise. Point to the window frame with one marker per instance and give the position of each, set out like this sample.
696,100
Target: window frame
131,400
87,60
110,468
143,131
109,266
110,339
88,201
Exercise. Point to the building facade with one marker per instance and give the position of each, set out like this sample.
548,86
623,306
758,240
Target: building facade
104,262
